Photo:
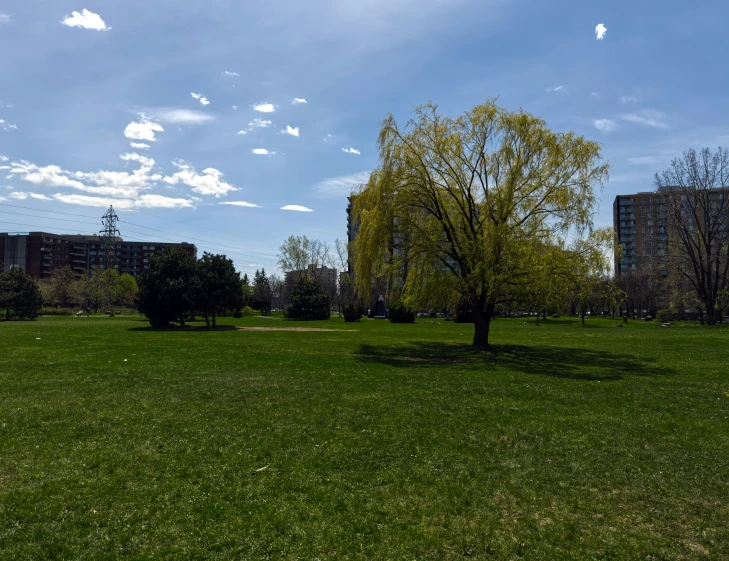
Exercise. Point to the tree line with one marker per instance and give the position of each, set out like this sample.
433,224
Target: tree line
177,287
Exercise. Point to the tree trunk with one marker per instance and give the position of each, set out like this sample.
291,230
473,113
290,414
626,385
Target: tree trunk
701,316
710,313
482,315
207,319
544,314
214,318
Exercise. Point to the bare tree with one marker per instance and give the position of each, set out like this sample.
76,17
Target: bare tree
297,253
695,190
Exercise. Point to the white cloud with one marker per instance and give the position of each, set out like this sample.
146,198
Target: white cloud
210,182
145,201
18,195
235,108
647,117
226,73
298,100
291,130
351,151
143,130
180,116
256,124
264,107
262,152
39,197
122,184
626,99
341,186
595,95
201,98
7,126
3,158
600,31
605,125
241,203
139,145
4,18
297,208
560,88
86,20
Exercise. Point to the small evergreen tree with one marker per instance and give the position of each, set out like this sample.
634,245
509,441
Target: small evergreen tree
19,295
308,301
167,290
262,293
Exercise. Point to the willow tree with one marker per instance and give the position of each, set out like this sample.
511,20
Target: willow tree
464,206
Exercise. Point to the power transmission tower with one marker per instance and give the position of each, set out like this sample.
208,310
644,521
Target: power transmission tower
109,237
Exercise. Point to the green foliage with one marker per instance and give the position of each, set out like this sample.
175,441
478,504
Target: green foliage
127,289
63,286
168,290
664,315
219,287
262,293
308,301
400,313
20,296
353,311
464,313
246,312
474,202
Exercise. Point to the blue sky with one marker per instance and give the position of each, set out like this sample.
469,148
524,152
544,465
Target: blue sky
74,96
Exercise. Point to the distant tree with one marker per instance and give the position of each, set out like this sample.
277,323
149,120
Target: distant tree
20,296
127,290
246,290
63,286
277,290
308,301
168,289
471,199
694,189
219,288
298,252
262,294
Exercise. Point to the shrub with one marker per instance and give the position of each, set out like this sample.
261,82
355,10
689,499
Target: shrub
664,315
353,312
400,313
247,311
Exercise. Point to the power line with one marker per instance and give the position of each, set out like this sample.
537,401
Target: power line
249,253
196,239
69,231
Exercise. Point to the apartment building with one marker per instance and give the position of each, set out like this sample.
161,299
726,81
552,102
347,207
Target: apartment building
640,221
39,253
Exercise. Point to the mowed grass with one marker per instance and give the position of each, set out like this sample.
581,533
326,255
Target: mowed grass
379,441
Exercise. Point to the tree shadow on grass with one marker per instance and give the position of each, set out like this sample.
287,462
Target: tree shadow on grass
557,362
186,329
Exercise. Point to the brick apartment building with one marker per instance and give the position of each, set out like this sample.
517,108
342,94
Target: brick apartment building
39,253
640,223
643,222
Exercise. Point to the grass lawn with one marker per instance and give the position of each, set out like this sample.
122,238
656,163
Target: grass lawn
379,441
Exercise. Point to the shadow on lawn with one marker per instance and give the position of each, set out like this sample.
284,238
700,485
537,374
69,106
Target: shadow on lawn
185,329
558,362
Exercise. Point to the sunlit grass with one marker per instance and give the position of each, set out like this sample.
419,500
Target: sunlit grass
379,441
